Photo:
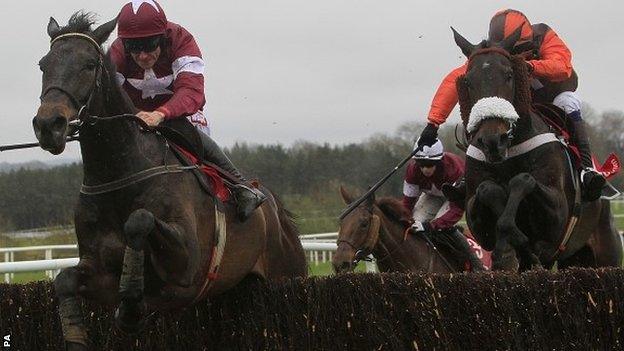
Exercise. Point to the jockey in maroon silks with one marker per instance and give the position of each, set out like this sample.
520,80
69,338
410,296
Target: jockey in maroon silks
161,68
431,210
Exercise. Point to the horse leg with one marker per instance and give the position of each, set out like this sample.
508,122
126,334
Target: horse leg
584,257
519,186
606,241
131,309
489,202
171,253
66,286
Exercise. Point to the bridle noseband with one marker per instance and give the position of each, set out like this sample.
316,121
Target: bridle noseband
100,69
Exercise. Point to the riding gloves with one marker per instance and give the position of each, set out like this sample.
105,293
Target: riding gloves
428,136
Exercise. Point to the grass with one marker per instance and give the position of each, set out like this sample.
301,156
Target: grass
314,215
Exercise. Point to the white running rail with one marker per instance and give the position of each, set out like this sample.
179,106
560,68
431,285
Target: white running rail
319,248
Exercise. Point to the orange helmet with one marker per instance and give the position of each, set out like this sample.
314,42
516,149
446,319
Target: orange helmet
505,22
140,19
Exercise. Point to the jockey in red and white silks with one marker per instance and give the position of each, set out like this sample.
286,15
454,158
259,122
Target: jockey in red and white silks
174,85
160,66
422,196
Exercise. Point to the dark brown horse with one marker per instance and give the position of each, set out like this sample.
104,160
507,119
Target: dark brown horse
148,236
521,198
378,227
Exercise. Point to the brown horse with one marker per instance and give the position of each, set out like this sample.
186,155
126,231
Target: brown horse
378,228
148,236
520,183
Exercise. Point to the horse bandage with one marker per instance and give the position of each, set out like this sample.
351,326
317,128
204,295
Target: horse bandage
488,108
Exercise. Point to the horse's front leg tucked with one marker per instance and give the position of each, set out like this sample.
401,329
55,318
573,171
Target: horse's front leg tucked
66,286
131,310
167,248
520,187
483,210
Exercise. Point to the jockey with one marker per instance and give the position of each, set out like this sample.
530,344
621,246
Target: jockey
553,80
161,68
432,212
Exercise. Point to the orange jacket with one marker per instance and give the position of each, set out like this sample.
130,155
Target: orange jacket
554,64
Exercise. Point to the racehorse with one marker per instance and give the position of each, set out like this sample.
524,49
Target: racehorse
148,236
378,227
522,198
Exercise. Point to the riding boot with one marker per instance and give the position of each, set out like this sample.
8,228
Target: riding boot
456,192
592,182
247,197
460,240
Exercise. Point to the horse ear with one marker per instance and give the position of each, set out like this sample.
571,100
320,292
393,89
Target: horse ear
466,47
346,197
509,42
102,32
53,27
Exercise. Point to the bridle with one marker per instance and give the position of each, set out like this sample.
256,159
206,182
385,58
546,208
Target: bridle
362,251
500,51
82,108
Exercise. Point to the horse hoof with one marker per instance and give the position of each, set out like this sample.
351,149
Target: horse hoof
73,346
129,322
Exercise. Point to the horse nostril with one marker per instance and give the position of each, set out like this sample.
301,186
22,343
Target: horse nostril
504,138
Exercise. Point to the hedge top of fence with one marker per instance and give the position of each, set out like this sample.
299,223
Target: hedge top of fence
572,309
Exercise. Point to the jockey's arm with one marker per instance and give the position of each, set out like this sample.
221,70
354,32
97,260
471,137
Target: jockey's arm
188,73
445,97
449,218
188,96
555,63
411,191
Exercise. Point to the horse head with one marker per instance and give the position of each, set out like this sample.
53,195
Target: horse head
358,234
73,70
494,94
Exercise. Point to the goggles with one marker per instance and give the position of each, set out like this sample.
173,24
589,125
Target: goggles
137,45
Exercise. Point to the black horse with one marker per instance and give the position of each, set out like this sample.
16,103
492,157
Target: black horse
149,238
522,191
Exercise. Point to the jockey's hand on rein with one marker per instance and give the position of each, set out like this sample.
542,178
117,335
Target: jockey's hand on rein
420,227
429,135
151,118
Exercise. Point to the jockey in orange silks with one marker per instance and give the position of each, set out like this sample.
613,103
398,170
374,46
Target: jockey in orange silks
553,80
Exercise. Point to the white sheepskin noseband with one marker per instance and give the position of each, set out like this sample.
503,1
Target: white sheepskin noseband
491,107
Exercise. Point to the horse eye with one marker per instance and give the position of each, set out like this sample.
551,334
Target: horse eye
90,66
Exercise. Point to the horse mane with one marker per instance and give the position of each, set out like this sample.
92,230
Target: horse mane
79,22
522,90
394,209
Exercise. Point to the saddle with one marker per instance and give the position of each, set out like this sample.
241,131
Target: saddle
561,125
211,178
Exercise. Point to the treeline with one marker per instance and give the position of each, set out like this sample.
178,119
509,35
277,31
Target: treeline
304,173
37,198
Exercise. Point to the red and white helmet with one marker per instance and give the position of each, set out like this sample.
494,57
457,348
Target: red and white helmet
140,19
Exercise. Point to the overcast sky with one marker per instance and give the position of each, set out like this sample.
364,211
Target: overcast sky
333,71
